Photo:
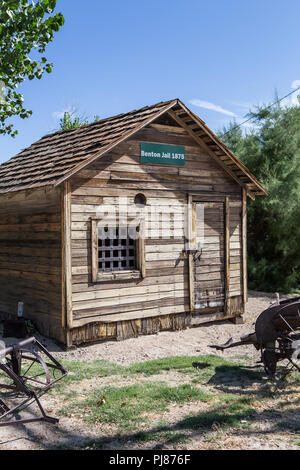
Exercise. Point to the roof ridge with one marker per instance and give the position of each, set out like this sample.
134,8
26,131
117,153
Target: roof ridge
90,124
56,157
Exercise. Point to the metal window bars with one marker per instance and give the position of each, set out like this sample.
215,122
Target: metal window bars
116,252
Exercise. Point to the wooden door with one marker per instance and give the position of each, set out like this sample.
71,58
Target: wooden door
209,254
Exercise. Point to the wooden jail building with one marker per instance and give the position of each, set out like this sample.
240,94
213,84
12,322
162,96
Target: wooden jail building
68,254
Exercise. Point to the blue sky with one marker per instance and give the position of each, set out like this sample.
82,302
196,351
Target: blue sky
219,57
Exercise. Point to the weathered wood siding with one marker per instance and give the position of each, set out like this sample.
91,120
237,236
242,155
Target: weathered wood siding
165,289
30,257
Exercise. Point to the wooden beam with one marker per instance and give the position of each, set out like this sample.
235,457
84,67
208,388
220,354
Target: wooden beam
67,256
141,258
244,247
164,127
205,147
63,253
227,254
190,255
250,194
223,147
94,248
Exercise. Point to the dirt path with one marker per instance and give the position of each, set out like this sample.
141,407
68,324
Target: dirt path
173,343
73,432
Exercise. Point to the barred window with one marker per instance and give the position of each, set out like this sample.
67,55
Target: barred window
116,254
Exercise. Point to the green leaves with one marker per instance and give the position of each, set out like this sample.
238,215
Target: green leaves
73,121
24,26
272,153
70,121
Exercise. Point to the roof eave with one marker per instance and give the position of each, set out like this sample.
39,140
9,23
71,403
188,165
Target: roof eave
260,189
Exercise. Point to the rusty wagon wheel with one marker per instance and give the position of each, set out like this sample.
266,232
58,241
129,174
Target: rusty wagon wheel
31,369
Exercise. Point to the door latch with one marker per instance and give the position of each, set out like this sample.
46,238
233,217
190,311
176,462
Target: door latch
196,253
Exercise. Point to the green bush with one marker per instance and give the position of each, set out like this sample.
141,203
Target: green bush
271,150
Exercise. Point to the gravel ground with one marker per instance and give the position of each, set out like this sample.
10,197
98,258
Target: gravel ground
174,343
71,432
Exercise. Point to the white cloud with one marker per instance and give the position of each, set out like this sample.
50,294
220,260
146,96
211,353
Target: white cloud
60,114
212,107
244,106
292,100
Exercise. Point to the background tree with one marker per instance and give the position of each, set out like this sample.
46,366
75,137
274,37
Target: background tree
24,27
272,152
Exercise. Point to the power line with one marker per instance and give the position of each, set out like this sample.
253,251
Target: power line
268,107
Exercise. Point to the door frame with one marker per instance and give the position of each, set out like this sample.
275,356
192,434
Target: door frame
191,245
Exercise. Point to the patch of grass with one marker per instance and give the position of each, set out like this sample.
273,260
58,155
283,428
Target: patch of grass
228,399
289,426
225,416
294,377
85,370
130,405
161,434
204,367
196,365
70,394
88,444
235,397
156,366
233,375
240,357
79,370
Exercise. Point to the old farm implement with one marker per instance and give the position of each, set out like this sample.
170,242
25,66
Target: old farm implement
276,335
27,371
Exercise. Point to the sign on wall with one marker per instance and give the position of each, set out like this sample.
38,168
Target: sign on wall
163,154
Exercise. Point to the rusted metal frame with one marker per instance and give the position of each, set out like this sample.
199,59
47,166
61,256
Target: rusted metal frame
13,371
44,417
16,358
278,324
14,367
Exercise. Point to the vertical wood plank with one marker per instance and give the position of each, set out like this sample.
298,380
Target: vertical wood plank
63,271
244,247
67,259
191,236
227,254
94,249
141,249
194,227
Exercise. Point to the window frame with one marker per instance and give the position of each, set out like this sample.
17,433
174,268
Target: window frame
138,273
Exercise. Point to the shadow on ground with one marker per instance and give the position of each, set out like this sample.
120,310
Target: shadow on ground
247,385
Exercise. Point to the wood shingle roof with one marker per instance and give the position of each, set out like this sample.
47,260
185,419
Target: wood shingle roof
55,157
